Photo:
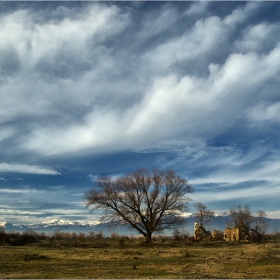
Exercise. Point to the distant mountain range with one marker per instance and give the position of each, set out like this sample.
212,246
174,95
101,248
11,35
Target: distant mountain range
218,222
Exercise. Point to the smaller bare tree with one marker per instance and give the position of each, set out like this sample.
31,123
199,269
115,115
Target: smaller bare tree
239,215
203,215
258,225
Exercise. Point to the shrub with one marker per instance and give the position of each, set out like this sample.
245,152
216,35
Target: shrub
114,235
99,235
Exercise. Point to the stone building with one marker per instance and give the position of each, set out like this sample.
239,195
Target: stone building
236,234
200,233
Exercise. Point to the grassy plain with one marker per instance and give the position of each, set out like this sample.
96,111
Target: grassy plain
106,258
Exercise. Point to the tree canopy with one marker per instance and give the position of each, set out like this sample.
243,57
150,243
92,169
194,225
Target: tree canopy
147,201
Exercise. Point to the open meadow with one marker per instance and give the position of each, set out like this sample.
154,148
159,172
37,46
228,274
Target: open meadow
130,258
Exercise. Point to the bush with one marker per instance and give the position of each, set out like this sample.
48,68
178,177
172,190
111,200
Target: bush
121,241
114,235
91,234
192,239
2,235
17,239
217,235
99,235
177,235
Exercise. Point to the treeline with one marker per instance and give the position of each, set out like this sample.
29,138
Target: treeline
30,236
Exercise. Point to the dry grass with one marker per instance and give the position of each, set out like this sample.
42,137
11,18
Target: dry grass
107,259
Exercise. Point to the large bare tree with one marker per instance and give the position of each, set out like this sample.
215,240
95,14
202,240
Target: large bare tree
147,201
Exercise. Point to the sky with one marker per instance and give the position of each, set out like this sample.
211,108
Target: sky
89,89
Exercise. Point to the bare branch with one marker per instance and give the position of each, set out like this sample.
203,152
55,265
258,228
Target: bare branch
203,215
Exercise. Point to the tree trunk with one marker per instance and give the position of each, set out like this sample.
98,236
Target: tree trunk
148,237
259,237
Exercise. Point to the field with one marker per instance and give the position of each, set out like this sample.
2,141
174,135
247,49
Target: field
109,258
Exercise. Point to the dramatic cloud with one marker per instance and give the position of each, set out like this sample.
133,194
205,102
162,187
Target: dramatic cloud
97,88
171,101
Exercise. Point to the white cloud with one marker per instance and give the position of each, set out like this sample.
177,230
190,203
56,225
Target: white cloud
206,37
155,24
203,38
171,106
97,130
31,216
104,110
34,41
102,79
93,178
80,81
25,191
241,14
64,212
238,194
259,37
8,212
18,179
273,214
29,169
197,8
6,132
231,166
264,112
67,48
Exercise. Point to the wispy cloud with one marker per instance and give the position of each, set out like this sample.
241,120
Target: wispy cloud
93,178
242,194
104,129
24,191
18,179
30,169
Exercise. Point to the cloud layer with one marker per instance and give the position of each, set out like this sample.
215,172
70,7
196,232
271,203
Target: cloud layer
86,91
116,86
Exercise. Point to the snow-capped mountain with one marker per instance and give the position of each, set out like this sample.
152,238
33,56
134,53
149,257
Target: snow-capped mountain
5,224
224,214
50,226
219,222
65,223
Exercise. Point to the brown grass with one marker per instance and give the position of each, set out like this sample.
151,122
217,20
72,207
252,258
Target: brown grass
107,259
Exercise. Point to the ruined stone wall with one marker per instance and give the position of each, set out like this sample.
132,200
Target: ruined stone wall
231,234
